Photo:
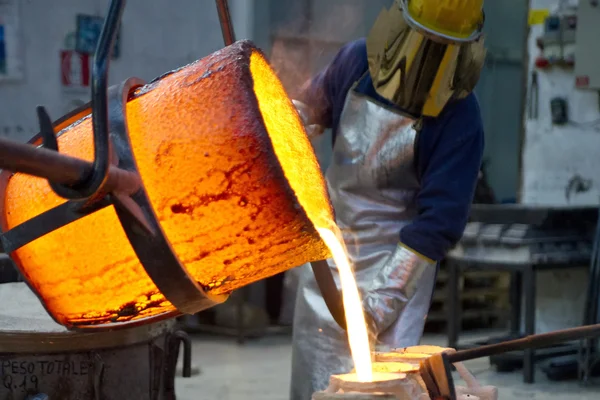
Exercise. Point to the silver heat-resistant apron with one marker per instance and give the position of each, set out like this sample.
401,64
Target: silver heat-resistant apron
373,184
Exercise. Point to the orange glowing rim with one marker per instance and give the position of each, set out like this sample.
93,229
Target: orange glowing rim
392,356
395,367
266,88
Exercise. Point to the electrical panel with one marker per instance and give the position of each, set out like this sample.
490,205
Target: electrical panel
587,49
557,43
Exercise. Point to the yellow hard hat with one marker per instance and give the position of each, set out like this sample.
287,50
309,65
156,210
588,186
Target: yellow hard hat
453,19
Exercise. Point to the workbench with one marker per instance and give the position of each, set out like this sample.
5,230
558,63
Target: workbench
522,241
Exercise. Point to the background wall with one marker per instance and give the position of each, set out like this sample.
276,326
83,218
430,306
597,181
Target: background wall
553,155
155,38
500,91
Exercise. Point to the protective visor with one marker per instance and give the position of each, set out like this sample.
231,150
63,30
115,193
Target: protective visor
414,71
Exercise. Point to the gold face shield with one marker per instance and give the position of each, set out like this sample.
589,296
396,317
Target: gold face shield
418,69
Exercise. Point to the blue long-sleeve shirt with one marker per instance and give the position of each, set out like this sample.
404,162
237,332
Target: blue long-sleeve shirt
448,151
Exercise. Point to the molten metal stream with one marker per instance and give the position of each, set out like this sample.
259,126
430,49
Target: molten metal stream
273,103
355,318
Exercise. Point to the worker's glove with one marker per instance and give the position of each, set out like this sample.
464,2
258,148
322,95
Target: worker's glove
312,130
392,288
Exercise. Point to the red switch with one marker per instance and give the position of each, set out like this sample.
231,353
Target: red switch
542,62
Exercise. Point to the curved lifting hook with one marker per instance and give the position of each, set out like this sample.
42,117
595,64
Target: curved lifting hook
50,142
46,129
92,183
181,337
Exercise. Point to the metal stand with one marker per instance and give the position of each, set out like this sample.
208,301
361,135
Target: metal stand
42,357
523,272
588,354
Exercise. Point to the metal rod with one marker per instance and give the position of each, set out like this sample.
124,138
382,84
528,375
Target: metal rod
225,20
329,291
60,168
47,222
592,300
91,180
100,122
528,342
43,163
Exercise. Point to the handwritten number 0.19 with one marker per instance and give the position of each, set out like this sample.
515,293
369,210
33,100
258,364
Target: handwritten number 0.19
7,381
34,382
29,382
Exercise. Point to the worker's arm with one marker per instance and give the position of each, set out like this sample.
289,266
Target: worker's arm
321,99
448,167
449,153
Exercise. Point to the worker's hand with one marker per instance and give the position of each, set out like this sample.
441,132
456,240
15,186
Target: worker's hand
312,130
393,287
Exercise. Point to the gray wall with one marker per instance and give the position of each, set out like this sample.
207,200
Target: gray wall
500,92
155,38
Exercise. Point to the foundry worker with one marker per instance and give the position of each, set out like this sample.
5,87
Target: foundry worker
407,147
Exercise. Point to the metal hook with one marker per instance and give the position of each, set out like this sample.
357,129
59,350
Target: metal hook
50,142
46,129
93,181
180,337
172,343
100,123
